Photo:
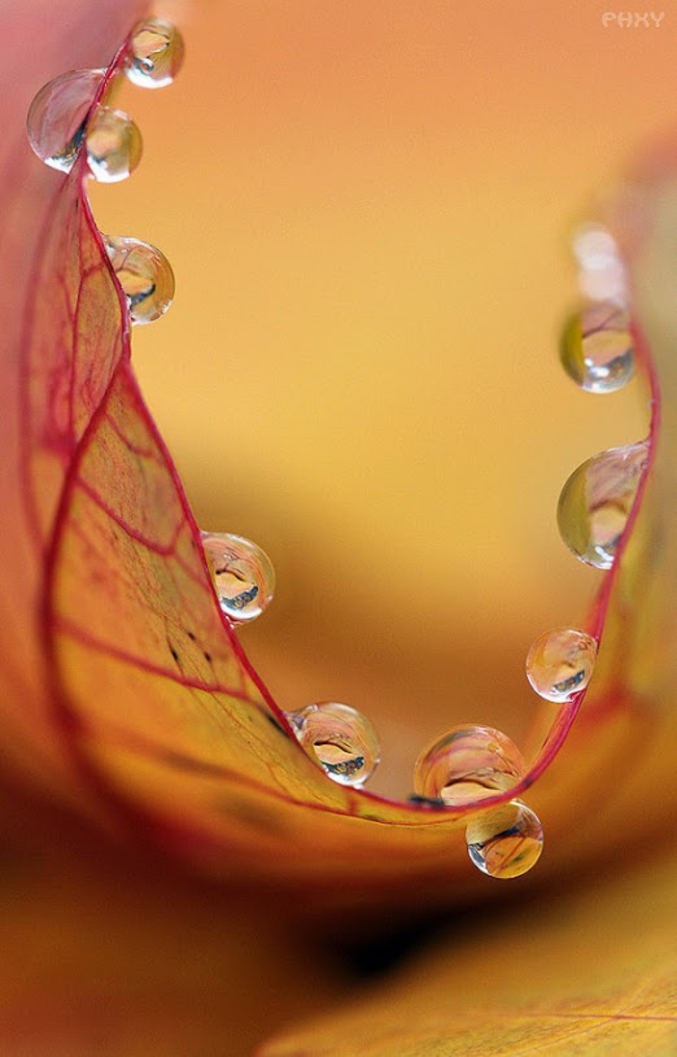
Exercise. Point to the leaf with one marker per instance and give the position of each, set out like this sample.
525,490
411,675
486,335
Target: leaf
37,436
107,953
584,972
590,968
161,716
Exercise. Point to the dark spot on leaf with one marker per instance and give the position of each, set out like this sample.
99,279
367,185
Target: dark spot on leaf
208,657
251,815
191,635
435,803
188,763
174,654
274,722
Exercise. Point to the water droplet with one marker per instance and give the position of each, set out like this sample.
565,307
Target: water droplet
467,764
58,114
505,842
341,739
244,578
156,52
114,145
601,270
596,347
596,502
144,274
560,663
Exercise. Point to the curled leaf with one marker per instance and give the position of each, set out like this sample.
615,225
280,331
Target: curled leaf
161,716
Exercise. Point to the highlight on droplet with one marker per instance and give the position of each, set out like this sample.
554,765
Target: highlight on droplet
596,347
114,145
242,573
156,53
596,502
560,663
341,739
145,275
58,116
468,763
505,842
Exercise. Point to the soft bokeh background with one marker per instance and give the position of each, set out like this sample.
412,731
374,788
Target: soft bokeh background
367,207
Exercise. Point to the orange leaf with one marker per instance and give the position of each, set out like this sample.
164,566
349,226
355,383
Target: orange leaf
165,722
581,972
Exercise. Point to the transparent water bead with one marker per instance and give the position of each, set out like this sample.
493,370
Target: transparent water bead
601,270
340,738
467,764
114,145
58,115
596,501
243,575
156,52
505,842
560,663
596,347
144,274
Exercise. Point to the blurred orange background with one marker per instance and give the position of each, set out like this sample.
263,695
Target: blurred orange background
367,205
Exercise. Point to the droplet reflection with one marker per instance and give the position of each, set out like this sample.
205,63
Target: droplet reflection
560,663
340,738
114,145
156,53
468,763
596,347
58,114
505,842
596,502
144,274
243,575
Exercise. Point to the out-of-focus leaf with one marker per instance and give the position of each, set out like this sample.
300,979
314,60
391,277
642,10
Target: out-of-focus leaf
119,956
589,972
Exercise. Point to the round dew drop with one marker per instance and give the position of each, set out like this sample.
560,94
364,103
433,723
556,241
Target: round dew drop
145,276
560,664
114,145
58,115
156,52
596,347
243,575
505,842
467,764
596,501
340,738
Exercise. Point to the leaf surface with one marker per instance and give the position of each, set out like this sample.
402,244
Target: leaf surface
584,972
592,968
159,712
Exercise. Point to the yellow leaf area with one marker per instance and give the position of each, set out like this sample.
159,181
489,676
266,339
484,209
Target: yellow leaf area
164,719
588,972
590,968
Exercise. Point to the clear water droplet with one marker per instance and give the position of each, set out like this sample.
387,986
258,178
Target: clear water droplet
601,270
596,347
58,114
596,501
144,274
467,764
340,738
560,663
505,842
114,145
243,575
156,53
